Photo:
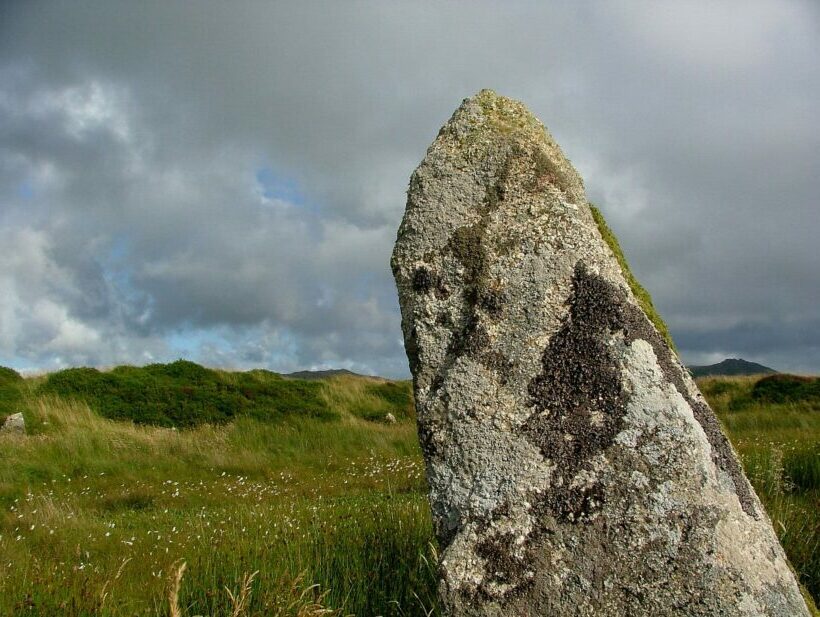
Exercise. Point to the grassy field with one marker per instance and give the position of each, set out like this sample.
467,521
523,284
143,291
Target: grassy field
277,512
776,432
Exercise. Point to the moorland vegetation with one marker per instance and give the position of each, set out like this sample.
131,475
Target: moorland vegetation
179,490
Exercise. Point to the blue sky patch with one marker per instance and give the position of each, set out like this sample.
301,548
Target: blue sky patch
278,186
25,190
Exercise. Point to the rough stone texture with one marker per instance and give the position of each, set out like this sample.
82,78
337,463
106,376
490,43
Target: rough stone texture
14,424
574,467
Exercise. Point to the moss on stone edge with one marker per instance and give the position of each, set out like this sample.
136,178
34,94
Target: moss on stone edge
807,597
643,297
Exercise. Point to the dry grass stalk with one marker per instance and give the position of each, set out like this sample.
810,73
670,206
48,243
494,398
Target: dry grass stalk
104,591
239,602
305,602
173,590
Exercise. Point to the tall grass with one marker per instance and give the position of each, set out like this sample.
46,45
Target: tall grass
295,516
779,446
95,514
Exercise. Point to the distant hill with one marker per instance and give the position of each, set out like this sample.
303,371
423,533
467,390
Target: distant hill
730,367
334,372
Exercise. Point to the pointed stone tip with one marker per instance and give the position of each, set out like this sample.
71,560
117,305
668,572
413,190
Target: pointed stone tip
503,109
489,95
488,92
488,123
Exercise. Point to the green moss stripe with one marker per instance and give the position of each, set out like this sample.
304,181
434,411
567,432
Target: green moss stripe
643,297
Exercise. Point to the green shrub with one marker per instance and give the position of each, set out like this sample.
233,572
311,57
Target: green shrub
11,396
717,387
397,394
9,375
787,389
728,393
183,394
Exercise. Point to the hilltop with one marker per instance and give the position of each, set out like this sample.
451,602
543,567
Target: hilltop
731,367
325,374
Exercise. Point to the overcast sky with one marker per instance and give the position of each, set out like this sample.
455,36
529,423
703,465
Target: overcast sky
223,181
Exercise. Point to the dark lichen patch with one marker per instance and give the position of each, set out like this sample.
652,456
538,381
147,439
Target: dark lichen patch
572,504
444,319
422,280
501,565
470,246
475,341
579,398
504,245
425,280
498,363
495,195
436,384
472,339
492,301
466,245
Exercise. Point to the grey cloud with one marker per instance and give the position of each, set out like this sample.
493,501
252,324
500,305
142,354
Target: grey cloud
139,128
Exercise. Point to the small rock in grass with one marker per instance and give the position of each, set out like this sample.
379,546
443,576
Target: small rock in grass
15,424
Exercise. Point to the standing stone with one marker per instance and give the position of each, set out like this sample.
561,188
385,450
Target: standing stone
15,424
574,467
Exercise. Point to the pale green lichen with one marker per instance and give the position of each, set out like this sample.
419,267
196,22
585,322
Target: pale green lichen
507,115
815,612
504,129
641,295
